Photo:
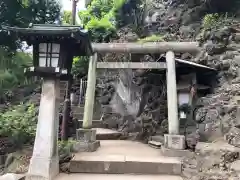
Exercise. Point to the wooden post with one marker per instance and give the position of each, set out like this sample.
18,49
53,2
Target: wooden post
173,122
90,93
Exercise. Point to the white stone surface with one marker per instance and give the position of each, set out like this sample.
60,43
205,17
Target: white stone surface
44,163
173,122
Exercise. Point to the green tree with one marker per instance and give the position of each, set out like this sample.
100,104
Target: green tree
67,17
20,13
100,20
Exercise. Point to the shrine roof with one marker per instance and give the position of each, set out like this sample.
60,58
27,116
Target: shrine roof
48,29
53,33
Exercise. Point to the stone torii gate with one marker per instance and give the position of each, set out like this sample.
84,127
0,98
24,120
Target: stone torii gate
172,140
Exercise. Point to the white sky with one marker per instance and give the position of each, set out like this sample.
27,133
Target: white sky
67,4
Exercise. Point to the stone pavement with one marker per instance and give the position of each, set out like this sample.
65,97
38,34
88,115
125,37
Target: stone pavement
125,157
115,177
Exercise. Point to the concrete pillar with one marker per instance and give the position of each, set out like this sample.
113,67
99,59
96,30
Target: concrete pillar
86,136
44,164
172,140
90,93
173,121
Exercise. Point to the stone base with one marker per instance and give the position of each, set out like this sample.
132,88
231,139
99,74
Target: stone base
41,168
86,135
172,141
176,152
86,140
82,146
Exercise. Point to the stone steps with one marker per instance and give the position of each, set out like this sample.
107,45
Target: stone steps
125,157
95,123
108,134
79,116
82,176
119,164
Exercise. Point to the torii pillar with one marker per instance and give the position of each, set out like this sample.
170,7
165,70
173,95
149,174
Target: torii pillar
86,136
172,140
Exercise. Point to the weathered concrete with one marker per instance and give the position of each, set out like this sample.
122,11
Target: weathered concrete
131,65
44,163
90,93
173,122
115,177
125,157
86,146
144,48
86,140
172,141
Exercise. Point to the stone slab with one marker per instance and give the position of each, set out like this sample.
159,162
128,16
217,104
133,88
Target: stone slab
174,141
176,152
155,144
107,134
82,176
82,146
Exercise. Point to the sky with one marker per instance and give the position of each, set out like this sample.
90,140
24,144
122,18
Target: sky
67,4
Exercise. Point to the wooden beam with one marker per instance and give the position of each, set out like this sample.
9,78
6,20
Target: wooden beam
131,65
144,48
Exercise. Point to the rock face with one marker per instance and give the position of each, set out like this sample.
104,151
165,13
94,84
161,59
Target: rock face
176,21
215,161
134,102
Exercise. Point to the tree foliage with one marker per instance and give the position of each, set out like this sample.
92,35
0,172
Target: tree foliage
67,17
21,13
100,18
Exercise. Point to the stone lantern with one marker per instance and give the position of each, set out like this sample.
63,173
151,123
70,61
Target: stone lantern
54,47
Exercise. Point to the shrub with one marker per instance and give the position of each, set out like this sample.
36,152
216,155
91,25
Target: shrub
19,124
80,66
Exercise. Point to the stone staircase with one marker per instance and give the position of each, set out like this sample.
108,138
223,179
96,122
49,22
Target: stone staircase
121,159
78,109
